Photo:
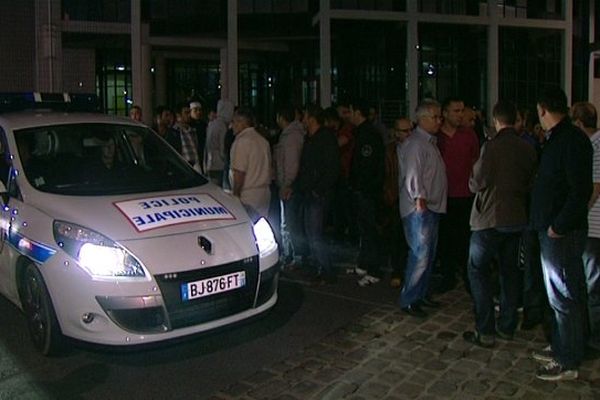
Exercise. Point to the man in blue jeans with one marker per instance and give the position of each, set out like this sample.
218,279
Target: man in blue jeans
423,191
559,208
501,180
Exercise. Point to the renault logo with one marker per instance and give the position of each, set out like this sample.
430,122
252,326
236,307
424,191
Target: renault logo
205,244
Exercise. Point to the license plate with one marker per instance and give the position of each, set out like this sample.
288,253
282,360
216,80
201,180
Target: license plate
214,285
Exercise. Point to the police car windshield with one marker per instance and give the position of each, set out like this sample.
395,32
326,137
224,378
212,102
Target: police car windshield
101,159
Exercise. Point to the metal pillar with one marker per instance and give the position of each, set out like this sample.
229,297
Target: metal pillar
49,58
232,52
412,58
140,63
325,53
567,51
493,58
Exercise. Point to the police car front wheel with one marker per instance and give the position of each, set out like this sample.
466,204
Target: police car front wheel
41,319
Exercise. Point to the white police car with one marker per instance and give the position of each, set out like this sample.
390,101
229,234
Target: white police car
109,237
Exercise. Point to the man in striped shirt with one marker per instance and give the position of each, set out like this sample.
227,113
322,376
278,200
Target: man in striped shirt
585,117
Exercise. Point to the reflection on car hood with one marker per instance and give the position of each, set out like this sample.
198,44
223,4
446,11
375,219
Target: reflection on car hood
145,215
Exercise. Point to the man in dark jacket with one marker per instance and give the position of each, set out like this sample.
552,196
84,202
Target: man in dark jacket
501,180
315,184
366,183
559,214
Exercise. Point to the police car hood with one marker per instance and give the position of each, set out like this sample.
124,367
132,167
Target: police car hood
138,216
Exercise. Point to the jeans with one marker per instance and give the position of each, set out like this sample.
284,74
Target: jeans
314,212
563,275
484,246
535,300
591,263
421,231
292,229
370,254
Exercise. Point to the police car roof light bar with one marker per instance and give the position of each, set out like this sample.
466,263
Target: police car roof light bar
84,102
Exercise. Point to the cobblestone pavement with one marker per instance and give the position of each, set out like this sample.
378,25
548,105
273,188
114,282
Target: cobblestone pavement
389,355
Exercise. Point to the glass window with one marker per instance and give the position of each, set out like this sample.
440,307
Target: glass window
453,62
530,60
101,159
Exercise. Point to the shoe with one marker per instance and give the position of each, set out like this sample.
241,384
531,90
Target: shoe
428,302
356,271
504,336
544,355
367,280
414,310
553,371
396,282
485,341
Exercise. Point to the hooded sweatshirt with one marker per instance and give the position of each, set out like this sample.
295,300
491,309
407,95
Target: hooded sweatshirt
214,152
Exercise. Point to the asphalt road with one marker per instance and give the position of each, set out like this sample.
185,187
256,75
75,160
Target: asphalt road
193,368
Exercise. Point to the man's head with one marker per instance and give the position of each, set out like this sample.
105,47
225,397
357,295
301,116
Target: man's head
332,118
243,118
313,118
584,116
196,110
552,107
402,128
360,112
163,116
183,114
373,114
469,117
285,115
453,110
429,116
343,109
135,113
504,115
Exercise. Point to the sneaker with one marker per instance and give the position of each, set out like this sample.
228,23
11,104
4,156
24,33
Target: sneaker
553,371
356,271
544,355
367,280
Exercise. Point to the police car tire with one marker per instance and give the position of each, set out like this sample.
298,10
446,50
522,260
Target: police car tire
42,323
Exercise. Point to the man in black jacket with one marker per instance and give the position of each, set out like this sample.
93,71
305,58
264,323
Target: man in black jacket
315,183
559,214
366,183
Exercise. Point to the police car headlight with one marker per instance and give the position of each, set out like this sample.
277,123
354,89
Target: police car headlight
96,253
265,239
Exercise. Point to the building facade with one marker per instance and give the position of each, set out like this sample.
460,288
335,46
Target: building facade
262,53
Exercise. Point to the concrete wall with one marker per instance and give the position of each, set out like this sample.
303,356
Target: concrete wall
79,70
17,46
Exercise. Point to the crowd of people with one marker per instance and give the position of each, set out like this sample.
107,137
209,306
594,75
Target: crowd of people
513,206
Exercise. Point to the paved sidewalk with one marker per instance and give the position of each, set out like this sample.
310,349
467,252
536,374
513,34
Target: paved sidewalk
388,355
